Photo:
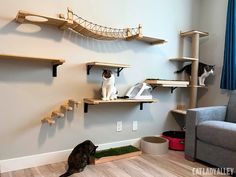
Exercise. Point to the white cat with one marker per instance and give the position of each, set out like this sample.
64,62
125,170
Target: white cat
109,91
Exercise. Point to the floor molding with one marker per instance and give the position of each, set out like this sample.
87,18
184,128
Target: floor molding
53,157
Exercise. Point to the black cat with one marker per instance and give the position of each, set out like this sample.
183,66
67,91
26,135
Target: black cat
79,157
204,71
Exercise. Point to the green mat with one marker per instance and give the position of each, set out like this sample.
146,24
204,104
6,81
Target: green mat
116,151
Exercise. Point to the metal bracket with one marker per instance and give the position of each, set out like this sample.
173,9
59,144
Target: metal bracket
172,89
85,107
54,70
118,71
89,68
141,106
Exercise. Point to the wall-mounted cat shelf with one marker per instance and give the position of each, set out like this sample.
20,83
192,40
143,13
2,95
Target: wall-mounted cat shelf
60,111
54,62
178,111
119,67
172,84
94,101
193,33
87,28
183,59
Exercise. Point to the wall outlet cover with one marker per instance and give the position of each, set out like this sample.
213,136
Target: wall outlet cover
119,126
135,125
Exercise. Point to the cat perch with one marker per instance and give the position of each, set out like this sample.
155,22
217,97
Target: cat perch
60,111
119,67
86,28
94,101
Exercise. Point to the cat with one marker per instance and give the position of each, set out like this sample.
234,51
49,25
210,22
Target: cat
80,157
204,71
109,91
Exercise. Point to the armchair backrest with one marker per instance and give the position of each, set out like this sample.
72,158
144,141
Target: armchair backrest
231,108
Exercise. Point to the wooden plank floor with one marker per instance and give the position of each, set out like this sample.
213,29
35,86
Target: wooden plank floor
171,165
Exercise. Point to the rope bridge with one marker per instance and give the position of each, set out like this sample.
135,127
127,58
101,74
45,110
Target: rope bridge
96,31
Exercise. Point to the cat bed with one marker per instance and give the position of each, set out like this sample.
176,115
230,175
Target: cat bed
176,139
139,91
115,154
154,145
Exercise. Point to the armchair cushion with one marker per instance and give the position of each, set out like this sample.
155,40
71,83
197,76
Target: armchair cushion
218,133
231,108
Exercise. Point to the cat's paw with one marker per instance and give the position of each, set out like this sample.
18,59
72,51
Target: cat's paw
104,99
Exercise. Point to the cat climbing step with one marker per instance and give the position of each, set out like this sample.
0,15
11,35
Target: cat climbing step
60,111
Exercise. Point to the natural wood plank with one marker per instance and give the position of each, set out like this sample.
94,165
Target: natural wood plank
110,65
183,59
99,101
29,58
58,22
183,112
172,164
151,40
166,82
193,32
118,157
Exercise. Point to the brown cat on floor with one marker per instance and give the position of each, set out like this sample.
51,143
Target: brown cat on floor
79,157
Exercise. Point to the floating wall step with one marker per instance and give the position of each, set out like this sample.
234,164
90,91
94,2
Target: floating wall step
60,111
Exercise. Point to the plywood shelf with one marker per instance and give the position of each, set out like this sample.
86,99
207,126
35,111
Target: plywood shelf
193,32
151,40
167,83
183,59
182,112
95,101
52,61
119,67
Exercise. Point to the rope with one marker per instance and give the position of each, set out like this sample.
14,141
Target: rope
104,31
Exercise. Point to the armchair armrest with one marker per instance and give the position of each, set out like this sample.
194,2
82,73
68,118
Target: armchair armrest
193,118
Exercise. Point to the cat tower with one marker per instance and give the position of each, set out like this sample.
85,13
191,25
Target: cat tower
195,36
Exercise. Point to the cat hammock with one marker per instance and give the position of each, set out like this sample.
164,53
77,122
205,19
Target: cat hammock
87,28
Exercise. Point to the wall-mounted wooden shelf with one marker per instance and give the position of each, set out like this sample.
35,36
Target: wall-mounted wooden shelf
151,40
60,111
172,84
94,101
193,32
177,111
53,62
86,28
119,67
183,59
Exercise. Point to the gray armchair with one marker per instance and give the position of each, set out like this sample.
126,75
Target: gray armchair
211,134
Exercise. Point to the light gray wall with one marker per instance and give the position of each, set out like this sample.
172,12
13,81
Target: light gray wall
213,20
28,91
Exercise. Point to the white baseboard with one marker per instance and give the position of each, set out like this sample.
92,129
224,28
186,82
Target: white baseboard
53,157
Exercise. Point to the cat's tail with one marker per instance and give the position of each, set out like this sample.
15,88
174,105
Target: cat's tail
68,173
181,70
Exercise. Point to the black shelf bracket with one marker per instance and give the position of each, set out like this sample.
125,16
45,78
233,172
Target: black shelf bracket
118,71
141,106
172,89
89,68
54,70
85,107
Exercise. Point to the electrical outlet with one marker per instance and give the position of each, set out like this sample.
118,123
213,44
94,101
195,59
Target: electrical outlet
119,126
135,125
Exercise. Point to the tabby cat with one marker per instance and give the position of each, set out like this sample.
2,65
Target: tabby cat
79,157
204,71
